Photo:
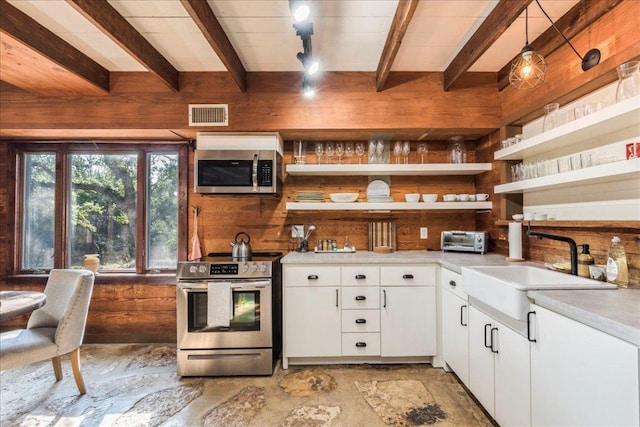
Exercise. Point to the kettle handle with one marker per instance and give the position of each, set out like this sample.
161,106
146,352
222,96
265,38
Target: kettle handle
241,233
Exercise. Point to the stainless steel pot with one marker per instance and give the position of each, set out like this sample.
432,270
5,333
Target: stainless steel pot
241,250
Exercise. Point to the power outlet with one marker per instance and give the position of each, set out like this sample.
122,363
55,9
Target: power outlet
297,231
424,233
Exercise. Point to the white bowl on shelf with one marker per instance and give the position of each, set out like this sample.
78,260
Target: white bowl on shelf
343,197
412,197
518,217
429,198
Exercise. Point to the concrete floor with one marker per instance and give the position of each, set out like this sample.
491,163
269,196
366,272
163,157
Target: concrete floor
137,385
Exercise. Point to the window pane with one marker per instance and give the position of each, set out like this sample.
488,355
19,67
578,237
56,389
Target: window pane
39,211
162,212
103,210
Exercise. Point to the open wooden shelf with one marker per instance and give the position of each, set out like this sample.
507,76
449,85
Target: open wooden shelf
579,134
394,206
630,225
388,169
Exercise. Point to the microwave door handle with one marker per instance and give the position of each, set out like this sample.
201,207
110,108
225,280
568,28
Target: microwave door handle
254,173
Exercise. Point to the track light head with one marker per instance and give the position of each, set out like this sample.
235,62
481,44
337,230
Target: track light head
299,9
311,66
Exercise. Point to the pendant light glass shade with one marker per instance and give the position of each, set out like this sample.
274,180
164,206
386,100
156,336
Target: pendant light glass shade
528,70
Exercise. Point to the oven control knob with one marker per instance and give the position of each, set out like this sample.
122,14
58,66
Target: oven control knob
202,269
245,268
193,269
263,267
254,267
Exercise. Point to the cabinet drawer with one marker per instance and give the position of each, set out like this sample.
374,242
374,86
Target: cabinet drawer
311,275
403,275
365,344
360,297
361,320
451,281
354,275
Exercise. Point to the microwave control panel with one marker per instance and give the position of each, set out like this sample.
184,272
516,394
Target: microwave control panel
265,173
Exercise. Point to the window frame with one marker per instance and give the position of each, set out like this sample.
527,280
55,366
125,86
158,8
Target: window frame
62,151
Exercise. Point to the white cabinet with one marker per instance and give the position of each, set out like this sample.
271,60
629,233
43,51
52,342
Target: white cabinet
581,376
455,325
408,311
499,369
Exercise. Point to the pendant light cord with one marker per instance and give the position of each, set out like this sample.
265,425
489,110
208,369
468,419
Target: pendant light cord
526,25
559,32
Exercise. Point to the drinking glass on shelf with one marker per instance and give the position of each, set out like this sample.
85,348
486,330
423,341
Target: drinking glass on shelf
359,151
422,150
372,151
339,151
406,149
319,151
328,150
550,116
379,150
397,151
348,151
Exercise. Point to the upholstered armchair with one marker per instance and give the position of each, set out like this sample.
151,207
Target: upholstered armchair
55,329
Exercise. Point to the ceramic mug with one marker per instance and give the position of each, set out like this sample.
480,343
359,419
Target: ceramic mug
462,197
449,197
481,197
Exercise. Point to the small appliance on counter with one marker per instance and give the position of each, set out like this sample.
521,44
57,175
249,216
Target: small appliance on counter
465,241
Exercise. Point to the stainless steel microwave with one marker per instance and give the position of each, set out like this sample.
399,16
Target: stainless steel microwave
247,168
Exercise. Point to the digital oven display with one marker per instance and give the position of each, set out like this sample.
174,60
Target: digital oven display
223,269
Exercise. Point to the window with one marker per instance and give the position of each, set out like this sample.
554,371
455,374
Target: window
119,202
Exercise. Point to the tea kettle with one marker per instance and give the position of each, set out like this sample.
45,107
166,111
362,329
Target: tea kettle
241,250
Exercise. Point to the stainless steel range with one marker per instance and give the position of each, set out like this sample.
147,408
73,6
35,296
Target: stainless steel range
229,315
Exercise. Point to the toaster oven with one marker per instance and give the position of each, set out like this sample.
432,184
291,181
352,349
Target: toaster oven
465,241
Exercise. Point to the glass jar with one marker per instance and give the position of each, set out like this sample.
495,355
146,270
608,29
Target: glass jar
628,80
91,262
457,150
550,116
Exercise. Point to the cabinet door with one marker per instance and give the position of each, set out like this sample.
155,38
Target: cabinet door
481,370
408,321
581,376
455,334
312,322
512,377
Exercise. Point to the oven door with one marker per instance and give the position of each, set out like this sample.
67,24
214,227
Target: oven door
250,324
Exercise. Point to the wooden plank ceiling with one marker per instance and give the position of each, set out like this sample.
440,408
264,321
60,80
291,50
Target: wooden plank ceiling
252,36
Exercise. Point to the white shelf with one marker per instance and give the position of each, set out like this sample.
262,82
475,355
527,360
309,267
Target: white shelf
389,169
577,133
394,206
624,169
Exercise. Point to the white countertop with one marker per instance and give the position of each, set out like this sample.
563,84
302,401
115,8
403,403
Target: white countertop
616,312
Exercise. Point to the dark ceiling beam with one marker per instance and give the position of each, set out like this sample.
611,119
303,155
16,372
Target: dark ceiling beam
118,29
399,25
496,23
206,20
45,43
577,19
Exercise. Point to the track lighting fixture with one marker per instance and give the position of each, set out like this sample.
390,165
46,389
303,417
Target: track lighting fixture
310,64
308,88
529,69
299,9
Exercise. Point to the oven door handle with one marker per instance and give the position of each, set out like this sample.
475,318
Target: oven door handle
258,284
254,173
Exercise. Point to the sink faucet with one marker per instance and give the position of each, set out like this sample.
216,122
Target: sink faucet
572,247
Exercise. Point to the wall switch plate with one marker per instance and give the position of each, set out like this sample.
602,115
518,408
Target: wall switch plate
297,231
424,233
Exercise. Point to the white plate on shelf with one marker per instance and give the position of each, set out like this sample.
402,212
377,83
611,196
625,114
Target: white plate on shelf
343,197
378,188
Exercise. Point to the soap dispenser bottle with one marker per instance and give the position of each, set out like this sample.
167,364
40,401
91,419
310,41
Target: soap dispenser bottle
617,270
584,261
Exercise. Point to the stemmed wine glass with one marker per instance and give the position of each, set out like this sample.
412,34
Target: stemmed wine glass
397,151
329,151
422,150
339,151
406,149
360,151
348,151
379,150
319,151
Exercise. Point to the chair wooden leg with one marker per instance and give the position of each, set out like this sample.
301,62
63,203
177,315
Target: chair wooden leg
57,367
75,365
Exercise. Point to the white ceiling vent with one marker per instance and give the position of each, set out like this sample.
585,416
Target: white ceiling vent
208,114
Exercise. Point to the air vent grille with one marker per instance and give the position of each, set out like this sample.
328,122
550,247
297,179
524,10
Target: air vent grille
208,114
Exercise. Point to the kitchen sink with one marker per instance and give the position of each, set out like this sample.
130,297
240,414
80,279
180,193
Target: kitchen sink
505,287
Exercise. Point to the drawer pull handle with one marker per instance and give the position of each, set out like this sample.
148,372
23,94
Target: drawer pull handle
361,320
312,277
361,344
452,283
360,277
407,276
462,307
529,326
360,298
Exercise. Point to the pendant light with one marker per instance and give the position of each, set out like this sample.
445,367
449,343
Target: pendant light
530,68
